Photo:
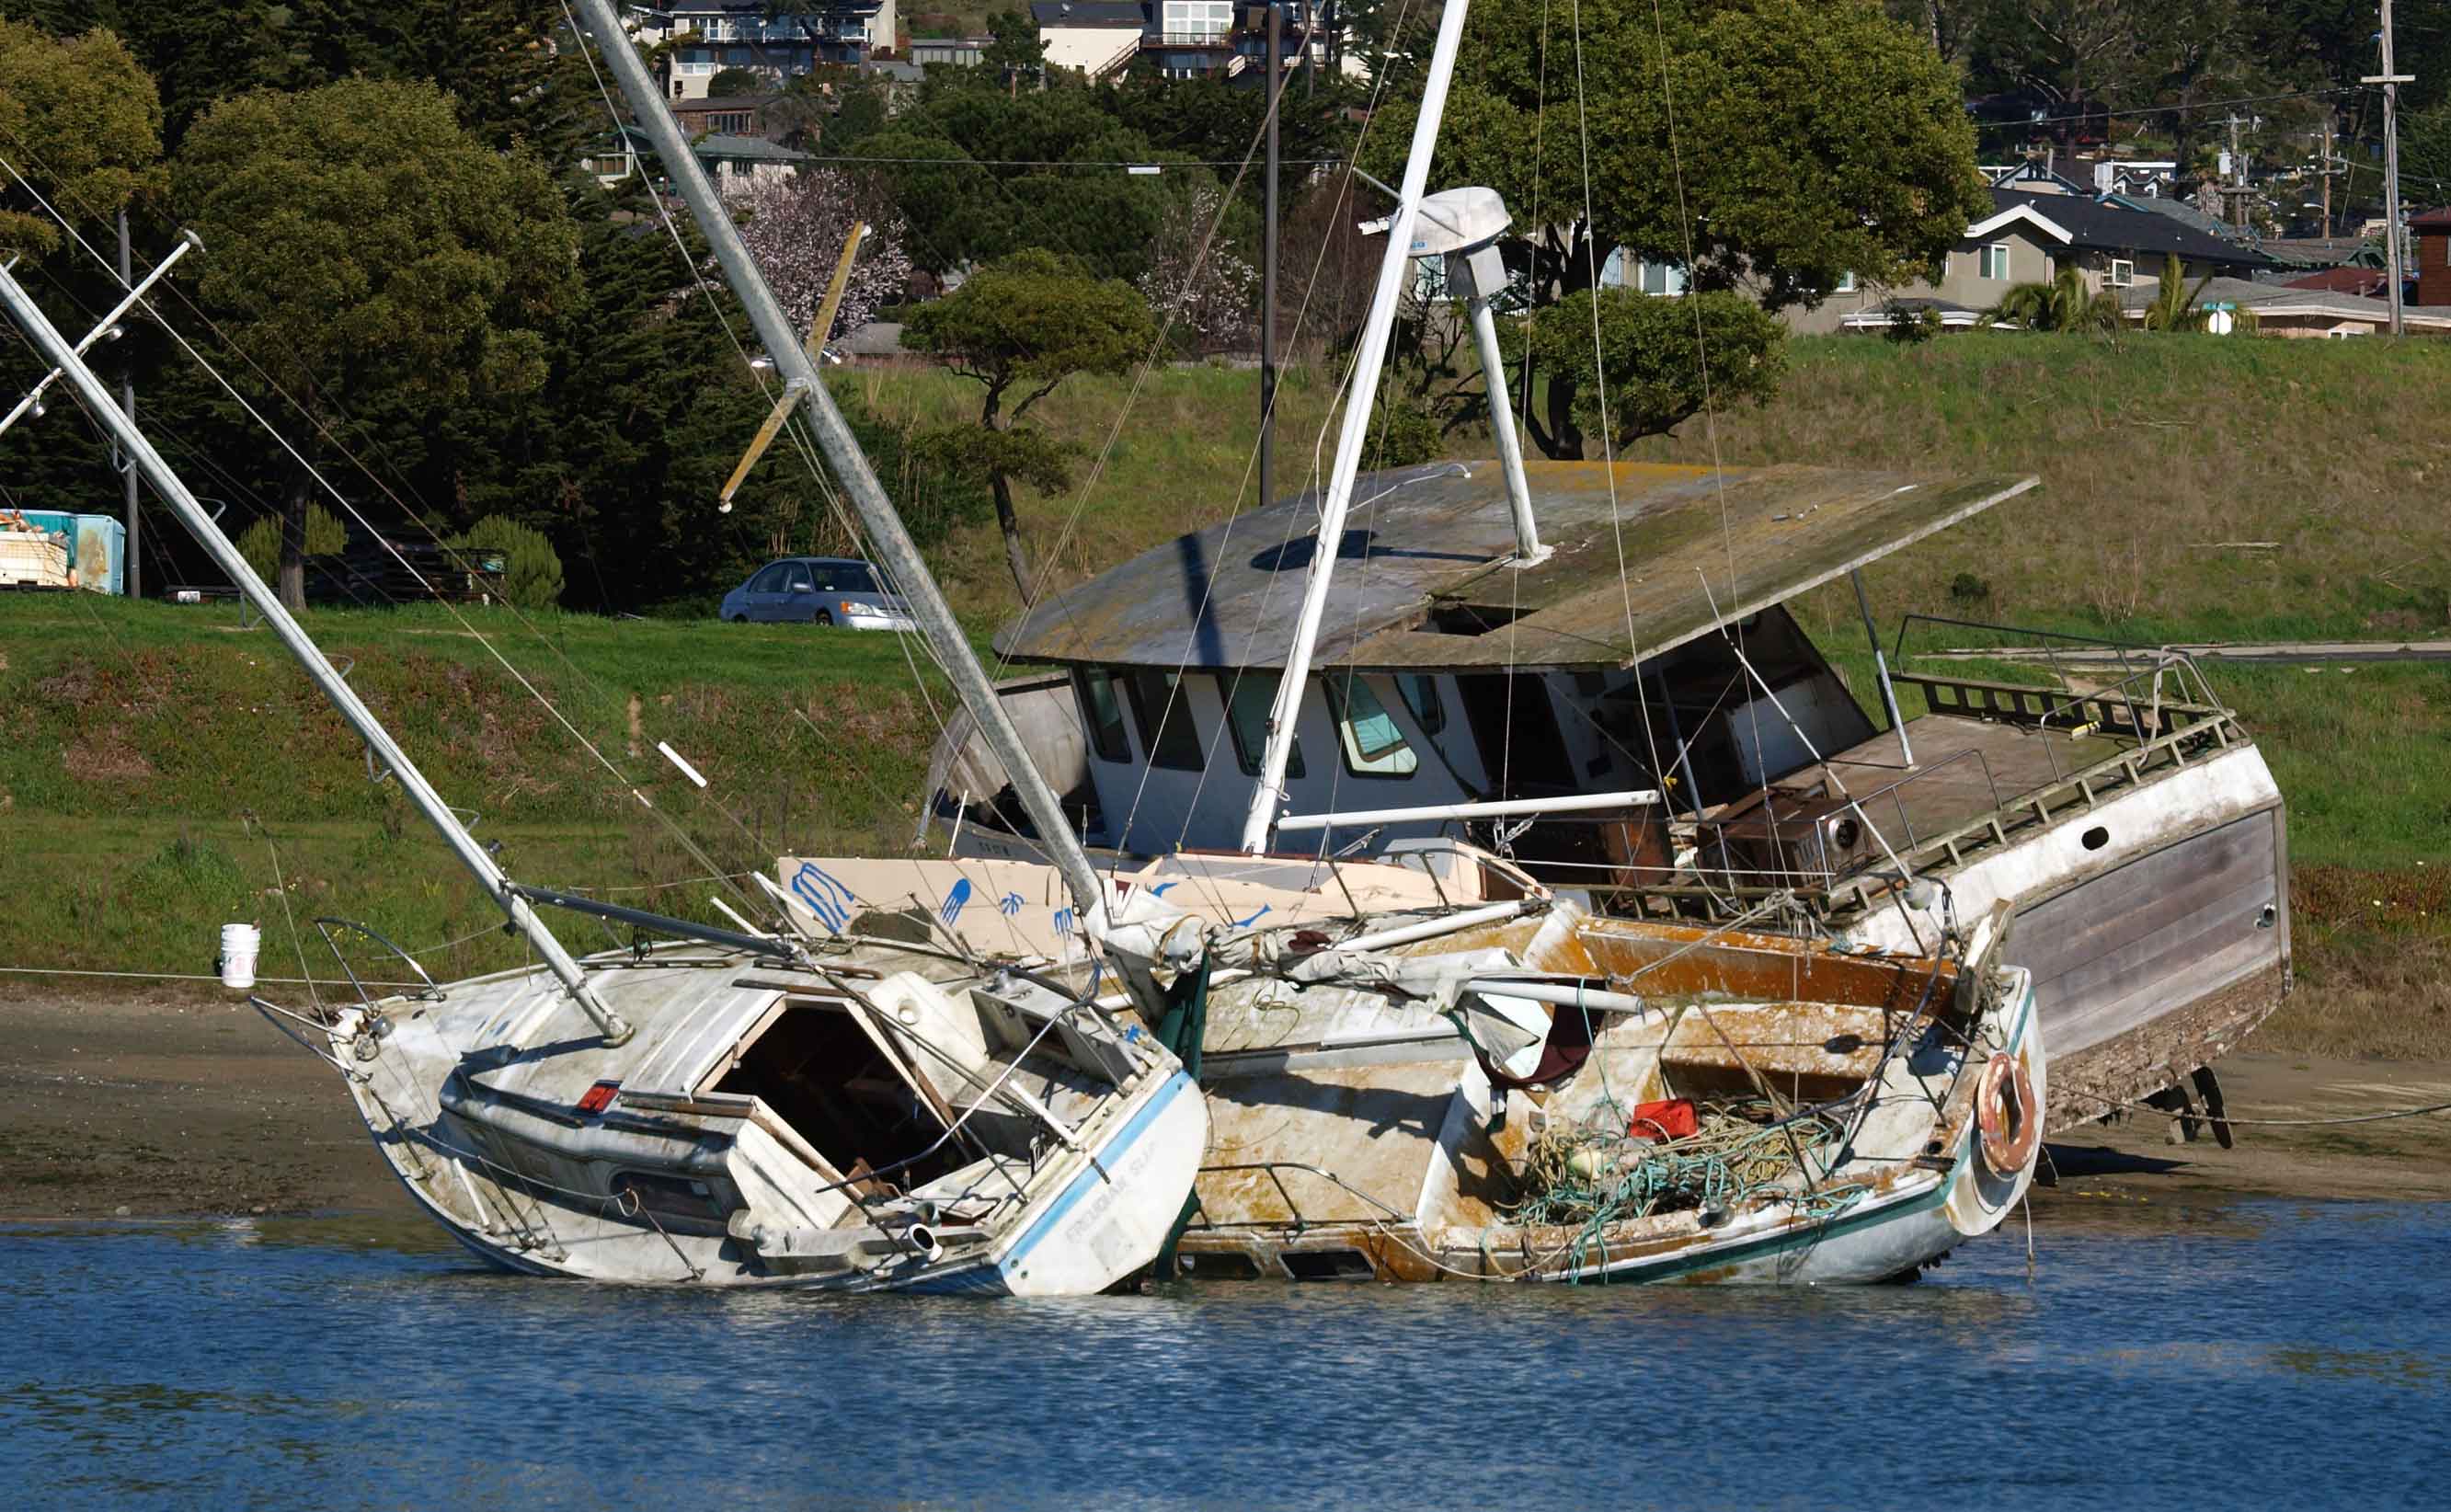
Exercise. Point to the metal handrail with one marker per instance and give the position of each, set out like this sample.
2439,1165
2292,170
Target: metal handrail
1299,1223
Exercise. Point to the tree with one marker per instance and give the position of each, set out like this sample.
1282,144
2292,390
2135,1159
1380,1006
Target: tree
1015,57
726,82
2175,308
367,250
796,227
82,122
1200,286
1771,147
950,160
260,543
2065,303
1022,325
1648,361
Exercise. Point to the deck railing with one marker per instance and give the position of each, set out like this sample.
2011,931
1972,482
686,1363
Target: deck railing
1847,850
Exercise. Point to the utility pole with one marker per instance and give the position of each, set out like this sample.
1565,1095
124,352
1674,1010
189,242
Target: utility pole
2326,171
1268,271
128,401
2236,188
2391,83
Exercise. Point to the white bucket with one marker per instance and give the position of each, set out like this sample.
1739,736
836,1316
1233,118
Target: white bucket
239,945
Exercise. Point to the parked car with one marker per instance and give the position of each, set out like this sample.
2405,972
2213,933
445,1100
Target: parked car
819,590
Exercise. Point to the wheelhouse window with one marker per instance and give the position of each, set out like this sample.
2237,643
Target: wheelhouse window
1102,713
1421,693
1249,697
1165,718
1372,745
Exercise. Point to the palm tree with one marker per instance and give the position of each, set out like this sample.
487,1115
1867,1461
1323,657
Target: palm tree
2175,308
2065,303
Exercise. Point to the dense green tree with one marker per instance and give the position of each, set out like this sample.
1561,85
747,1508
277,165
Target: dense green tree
729,82
1660,359
968,174
80,120
1014,58
1019,327
369,251
1808,141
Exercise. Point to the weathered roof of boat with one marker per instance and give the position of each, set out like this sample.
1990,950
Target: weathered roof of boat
1438,539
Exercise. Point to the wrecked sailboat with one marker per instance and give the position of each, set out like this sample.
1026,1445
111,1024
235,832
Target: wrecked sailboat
747,1106
1559,1096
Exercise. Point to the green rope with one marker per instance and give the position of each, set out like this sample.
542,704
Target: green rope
1180,1028
1597,1175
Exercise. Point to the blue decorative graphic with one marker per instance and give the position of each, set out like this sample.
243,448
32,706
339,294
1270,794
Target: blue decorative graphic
1010,904
827,898
1064,921
1244,924
951,907
1158,891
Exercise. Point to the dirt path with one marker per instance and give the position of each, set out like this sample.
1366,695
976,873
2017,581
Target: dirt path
176,1101
169,1102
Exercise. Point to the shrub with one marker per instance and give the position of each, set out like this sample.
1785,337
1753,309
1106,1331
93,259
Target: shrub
260,543
531,568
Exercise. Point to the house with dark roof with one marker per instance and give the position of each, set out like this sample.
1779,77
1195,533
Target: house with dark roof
1176,39
2028,239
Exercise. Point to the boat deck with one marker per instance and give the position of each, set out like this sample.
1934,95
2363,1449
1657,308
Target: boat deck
1964,768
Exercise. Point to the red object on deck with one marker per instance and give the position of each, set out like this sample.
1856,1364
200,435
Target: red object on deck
1671,1118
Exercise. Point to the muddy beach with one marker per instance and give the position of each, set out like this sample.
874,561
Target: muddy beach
175,1101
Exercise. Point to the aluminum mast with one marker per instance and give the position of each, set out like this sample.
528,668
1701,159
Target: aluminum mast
902,561
1392,268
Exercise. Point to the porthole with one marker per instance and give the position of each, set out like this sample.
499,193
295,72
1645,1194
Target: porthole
2095,838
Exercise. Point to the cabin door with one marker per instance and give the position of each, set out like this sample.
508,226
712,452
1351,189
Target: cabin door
1515,731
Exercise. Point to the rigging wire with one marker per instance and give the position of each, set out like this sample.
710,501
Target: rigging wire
681,834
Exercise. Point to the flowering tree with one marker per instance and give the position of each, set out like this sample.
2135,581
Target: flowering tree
1208,302
796,227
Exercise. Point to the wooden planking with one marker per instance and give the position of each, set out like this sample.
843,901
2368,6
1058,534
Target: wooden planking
2153,934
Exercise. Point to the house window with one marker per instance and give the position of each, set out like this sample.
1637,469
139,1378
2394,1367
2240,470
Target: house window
2123,272
1664,279
1846,282
1189,19
1102,713
1373,746
734,122
1996,261
1165,718
1249,699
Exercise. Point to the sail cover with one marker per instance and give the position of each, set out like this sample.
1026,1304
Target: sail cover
1424,577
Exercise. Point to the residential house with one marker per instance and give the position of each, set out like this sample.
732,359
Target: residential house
733,162
956,52
1177,39
2433,233
2028,239
737,162
780,46
724,114
2300,313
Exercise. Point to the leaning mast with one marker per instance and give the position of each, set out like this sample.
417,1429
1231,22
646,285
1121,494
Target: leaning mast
886,534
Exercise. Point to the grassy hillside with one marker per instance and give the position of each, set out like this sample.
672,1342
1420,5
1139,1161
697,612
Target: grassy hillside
2154,453
159,765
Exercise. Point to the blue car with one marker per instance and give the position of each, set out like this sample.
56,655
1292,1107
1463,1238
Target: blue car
817,590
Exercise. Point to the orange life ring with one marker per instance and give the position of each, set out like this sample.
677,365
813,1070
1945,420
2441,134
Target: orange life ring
2012,1126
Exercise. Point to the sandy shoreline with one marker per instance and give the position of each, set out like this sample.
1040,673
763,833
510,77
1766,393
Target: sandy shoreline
176,1102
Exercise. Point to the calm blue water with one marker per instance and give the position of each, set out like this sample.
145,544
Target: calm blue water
2214,1358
